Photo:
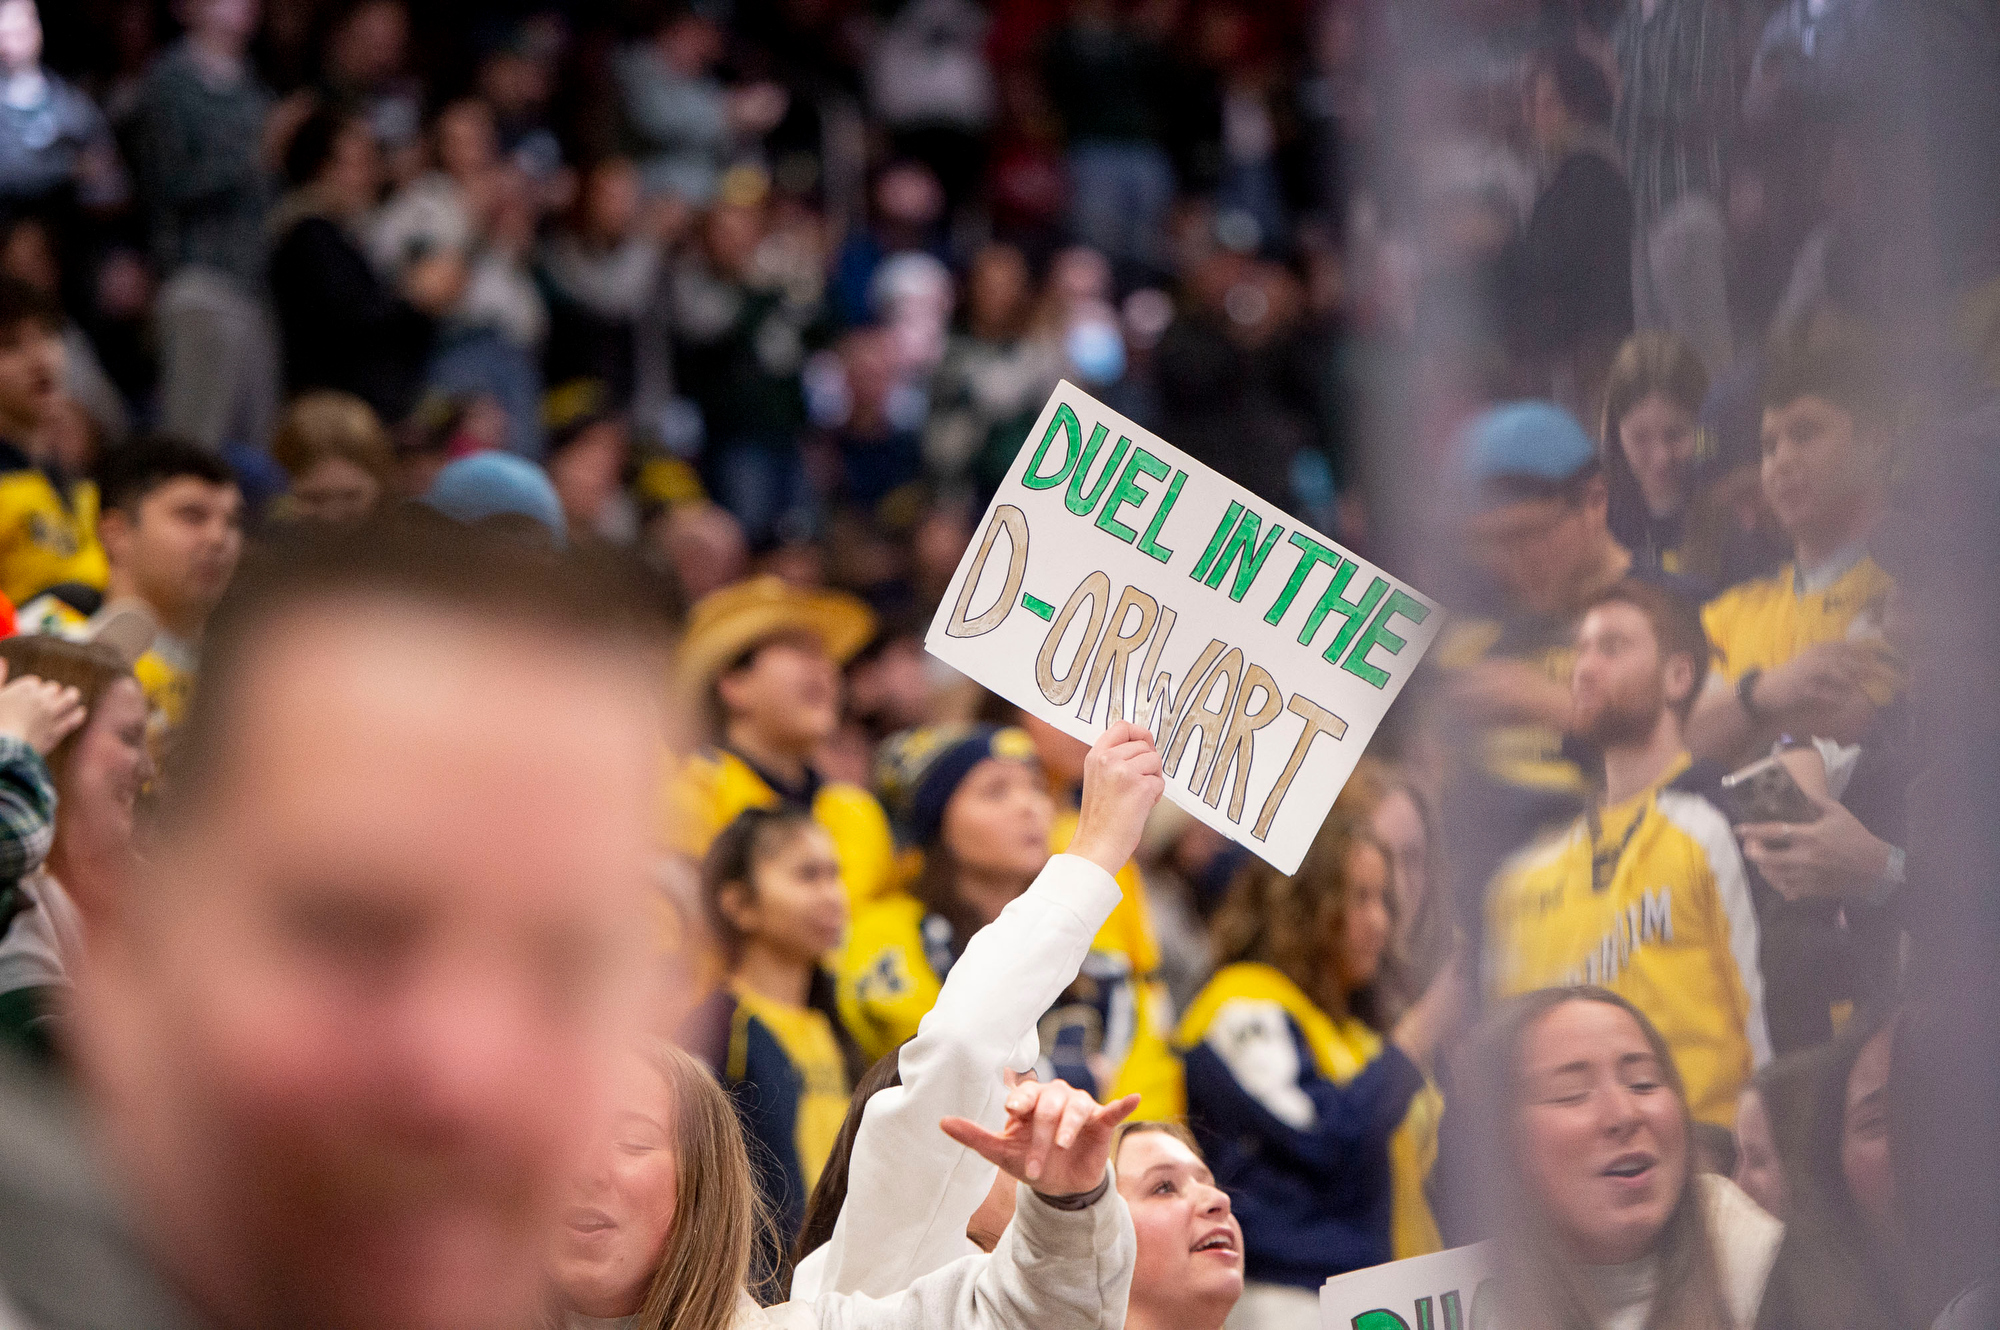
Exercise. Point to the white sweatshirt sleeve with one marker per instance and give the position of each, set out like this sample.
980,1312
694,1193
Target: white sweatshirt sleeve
911,1188
1053,1270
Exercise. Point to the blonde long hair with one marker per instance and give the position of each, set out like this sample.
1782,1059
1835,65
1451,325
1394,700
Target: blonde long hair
1539,1284
706,1262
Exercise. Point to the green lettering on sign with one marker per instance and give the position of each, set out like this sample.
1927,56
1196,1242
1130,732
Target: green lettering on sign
1331,601
1245,553
1311,555
1076,500
1378,634
1038,607
1064,420
1222,530
1127,491
1149,543
1380,1319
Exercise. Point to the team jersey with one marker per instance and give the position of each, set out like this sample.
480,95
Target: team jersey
714,785
1525,755
788,1078
1650,899
1320,1132
1764,623
1128,931
167,672
48,536
1111,1023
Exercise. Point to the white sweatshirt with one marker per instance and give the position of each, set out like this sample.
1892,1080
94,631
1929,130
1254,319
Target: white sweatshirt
910,1188
1746,1244
1053,1270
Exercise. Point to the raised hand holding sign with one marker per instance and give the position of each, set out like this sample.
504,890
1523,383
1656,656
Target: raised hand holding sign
1105,539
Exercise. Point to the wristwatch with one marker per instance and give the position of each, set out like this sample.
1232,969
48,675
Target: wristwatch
1746,694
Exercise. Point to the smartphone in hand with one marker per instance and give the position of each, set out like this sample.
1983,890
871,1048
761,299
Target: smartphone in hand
1765,791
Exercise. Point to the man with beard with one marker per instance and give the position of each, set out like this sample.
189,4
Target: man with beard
1646,893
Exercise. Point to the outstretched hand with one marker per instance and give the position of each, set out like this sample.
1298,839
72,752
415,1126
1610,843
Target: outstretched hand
1121,783
1057,1139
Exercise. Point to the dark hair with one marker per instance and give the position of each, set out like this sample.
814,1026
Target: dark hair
1580,85
21,302
1539,1284
1424,940
1713,1147
1828,1269
405,557
1667,364
1788,1087
1676,623
313,143
733,858
936,888
1654,361
1829,356
829,1194
132,471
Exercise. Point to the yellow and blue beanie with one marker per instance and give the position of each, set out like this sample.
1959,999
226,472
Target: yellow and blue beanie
917,771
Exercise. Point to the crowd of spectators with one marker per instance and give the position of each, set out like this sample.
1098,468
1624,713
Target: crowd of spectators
1654,337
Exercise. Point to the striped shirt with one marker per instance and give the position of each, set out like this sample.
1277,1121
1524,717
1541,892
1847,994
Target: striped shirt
1678,92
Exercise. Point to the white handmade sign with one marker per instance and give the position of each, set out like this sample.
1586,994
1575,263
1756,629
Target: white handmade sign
1442,1291
1116,577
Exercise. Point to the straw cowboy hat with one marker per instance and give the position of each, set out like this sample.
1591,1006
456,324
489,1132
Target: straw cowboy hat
728,623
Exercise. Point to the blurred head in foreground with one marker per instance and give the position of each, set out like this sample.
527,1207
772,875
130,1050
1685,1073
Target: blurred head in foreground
346,1036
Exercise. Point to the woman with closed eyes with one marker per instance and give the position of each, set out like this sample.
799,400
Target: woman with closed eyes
1599,1218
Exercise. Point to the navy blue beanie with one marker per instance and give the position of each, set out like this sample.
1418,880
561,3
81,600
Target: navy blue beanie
918,771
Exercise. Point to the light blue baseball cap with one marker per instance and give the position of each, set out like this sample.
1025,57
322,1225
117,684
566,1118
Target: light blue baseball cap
492,484
1526,440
